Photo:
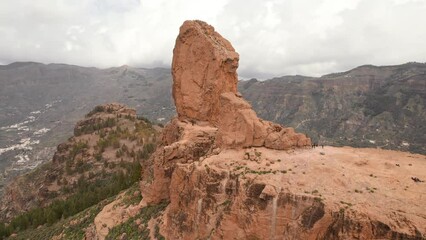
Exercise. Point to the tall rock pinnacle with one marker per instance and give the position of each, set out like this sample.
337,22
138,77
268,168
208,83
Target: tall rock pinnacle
205,89
204,66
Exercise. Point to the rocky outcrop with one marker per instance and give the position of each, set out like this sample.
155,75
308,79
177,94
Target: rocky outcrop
211,114
239,126
205,89
218,166
182,143
204,66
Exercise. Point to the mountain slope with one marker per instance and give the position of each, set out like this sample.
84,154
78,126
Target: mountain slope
40,104
365,107
102,158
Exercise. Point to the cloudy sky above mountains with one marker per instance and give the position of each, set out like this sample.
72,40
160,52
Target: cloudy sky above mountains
273,37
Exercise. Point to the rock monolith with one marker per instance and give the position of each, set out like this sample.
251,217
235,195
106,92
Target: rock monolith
205,81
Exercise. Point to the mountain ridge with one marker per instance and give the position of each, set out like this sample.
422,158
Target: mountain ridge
361,96
23,63
37,100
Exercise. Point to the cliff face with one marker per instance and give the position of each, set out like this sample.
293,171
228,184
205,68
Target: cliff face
266,194
201,57
229,175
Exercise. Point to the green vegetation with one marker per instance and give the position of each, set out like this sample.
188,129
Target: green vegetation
132,196
96,110
78,148
112,139
357,191
90,128
72,227
146,152
80,165
85,195
238,168
132,229
346,203
146,120
83,182
259,172
157,234
247,170
378,102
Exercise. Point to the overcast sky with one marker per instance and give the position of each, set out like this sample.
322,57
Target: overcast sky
273,37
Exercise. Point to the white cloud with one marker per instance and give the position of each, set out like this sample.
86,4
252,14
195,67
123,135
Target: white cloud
273,37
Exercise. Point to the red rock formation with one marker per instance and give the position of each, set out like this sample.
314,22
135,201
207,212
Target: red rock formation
225,196
205,89
217,190
239,126
204,66
211,114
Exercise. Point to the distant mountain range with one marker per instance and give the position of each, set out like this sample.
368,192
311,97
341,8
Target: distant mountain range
367,106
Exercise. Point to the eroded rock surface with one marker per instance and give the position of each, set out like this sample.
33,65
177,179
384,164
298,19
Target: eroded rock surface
205,89
297,195
239,126
204,66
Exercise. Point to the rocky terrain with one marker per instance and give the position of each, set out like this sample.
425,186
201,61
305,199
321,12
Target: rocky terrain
40,104
101,159
218,171
330,193
231,175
